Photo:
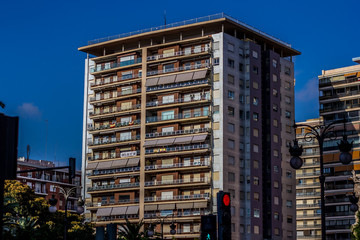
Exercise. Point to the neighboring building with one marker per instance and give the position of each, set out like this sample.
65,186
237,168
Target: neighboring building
45,183
174,114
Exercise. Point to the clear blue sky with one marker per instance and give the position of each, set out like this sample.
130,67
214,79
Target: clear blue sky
42,71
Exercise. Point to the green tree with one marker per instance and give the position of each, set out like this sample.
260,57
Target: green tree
356,227
132,231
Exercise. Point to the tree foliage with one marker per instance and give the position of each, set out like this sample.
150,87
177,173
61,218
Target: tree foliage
27,216
356,227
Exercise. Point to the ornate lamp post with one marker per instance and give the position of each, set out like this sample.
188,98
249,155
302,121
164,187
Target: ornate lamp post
67,193
320,133
161,220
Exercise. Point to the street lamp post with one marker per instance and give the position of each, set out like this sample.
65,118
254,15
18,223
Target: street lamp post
67,193
161,220
320,133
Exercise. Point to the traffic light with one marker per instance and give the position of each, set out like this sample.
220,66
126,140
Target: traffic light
208,227
354,200
72,169
224,215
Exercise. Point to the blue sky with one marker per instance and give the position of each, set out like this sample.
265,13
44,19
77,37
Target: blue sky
42,77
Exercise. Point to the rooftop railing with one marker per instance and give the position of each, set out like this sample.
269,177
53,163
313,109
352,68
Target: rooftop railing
178,132
316,173
177,149
177,85
179,53
178,69
111,65
115,218
187,22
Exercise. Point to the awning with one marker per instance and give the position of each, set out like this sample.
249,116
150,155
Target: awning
184,205
167,79
151,82
118,211
200,205
150,143
166,206
102,212
199,75
183,140
132,210
199,138
165,142
91,166
104,165
119,163
133,162
150,207
184,77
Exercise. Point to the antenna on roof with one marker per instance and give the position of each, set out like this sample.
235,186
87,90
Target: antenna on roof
27,152
165,17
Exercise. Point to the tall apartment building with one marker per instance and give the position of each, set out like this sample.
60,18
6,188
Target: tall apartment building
176,113
45,183
339,98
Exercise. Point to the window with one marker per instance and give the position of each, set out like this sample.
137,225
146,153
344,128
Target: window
256,229
276,169
256,196
275,122
168,99
231,127
216,77
247,84
187,66
230,47
232,211
241,52
275,78
255,54
276,153
255,116
287,71
168,68
288,188
287,114
231,63
256,164
255,101
277,231
167,129
276,138
167,195
287,100
287,85
274,63
231,177
276,184
231,144
216,61
216,45
231,95
241,114
241,83
275,107
241,131
126,90
276,200
167,115
126,105
276,216
256,181
288,174
241,98
255,85
233,227
197,49
256,148
289,219
241,67
197,64
186,114
288,128
275,93
231,160
256,213
255,132
255,69
230,111
125,136
289,203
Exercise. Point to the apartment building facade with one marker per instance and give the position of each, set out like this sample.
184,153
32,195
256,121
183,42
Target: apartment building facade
45,183
174,114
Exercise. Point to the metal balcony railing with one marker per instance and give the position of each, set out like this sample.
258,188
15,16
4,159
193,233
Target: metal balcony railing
316,173
112,140
115,110
113,186
315,184
112,202
308,205
177,85
114,171
179,53
179,100
115,218
309,215
178,165
112,65
118,79
179,214
116,125
338,186
302,194
177,116
118,94
177,149
178,132
178,197
309,226
177,181
178,69
112,156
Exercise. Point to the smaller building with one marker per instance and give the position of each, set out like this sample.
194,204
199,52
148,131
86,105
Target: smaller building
46,183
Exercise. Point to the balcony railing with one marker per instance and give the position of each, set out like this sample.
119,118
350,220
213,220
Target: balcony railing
309,215
179,53
336,214
326,82
113,156
302,194
118,79
308,174
178,197
112,202
178,132
178,165
177,116
315,184
338,186
308,205
309,226
115,110
115,218
116,125
309,237
114,171
179,100
177,181
178,69
179,214
112,65
177,85
177,149
113,186
118,94
112,140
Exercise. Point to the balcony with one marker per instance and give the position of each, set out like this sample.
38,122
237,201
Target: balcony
327,82
178,85
113,65
112,202
178,54
118,80
177,149
179,100
308,174
308,226
113,186
337,214
179,214
178,197
307,194
178,165
177,181
309,237
316,205
115,218
303,185
108,141
177,117
339,186
308,215
119,94
115,125
116,156
178,69
178,132
114,171
114,110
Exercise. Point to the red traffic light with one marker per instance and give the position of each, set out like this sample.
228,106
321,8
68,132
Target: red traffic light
226,200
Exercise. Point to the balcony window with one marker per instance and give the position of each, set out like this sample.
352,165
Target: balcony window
187,51
187,113
231,95
167,162
187,66
168,53
197,161
167,179
126,90
167,129
165,213
216,61
107,80
167,115
197,112
198,64
255,101
97,96
197,49
256,213
187,162
187,97
127,75
168,99
126,105
167,195
231,111
125,136
168,68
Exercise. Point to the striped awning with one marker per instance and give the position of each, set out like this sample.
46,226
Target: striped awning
91,166
132,210
118,211
103,212
151,82
104,165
